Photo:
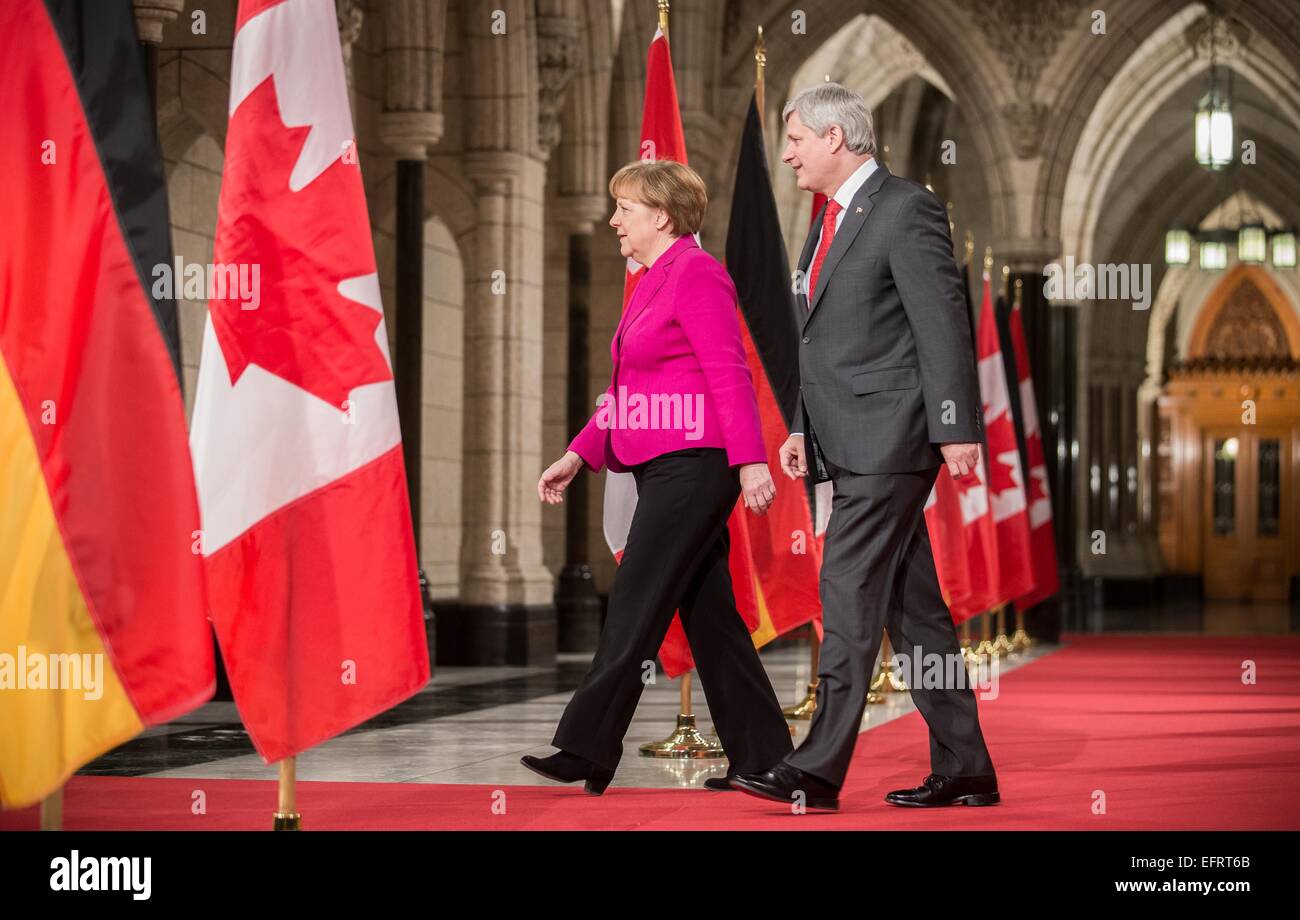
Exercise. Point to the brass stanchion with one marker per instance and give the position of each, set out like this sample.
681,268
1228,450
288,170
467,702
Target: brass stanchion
52,811
967,651
686,740
886,681
1020,639
1002,645
805,708
986,647
287,817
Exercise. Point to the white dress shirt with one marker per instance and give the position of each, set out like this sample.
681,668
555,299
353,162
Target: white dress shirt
844,197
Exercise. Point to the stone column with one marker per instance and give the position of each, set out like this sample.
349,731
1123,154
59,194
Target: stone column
150,17
577,602
410,124
695,35
507,614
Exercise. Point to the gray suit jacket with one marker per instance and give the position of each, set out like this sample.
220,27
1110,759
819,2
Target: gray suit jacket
886,362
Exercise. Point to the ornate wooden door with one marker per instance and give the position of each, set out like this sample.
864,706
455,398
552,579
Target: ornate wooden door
1245,533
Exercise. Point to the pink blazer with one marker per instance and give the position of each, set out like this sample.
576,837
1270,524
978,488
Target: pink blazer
680,379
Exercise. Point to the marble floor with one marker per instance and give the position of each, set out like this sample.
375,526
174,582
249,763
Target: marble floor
469,725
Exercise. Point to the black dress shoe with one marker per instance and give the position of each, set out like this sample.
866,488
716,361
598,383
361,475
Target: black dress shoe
785,783
940,790
720,783
569,768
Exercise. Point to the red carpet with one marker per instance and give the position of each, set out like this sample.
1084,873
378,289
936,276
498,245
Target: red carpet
1163,727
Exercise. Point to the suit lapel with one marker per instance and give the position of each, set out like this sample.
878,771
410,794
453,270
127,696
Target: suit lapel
855,217
805,259
641,297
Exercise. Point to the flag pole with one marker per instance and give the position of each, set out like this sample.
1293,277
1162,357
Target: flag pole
52,811
985,647
286,816
803,709
1020,639
1002,644
967,651
686,740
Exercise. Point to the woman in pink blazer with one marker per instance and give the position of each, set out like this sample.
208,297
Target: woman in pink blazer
680,414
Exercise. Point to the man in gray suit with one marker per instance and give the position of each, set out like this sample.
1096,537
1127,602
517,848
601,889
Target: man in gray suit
889,397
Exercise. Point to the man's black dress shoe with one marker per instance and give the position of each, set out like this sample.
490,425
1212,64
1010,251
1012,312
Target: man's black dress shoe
720,783
784,783
569,768
948,790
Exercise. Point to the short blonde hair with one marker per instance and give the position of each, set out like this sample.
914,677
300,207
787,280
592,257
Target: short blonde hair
666,184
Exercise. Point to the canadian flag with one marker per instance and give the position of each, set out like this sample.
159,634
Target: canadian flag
661,138
1006,482
964,542
1042,537
947,531
307,537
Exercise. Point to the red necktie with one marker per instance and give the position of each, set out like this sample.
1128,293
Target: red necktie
833,209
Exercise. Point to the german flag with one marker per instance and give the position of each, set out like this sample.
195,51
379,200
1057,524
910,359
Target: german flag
785,555
102,623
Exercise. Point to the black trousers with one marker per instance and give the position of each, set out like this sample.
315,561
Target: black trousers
877,573
676,559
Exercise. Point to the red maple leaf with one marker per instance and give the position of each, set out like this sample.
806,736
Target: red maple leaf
1000,433
304,243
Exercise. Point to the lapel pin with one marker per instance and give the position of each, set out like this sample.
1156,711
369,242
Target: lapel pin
859,210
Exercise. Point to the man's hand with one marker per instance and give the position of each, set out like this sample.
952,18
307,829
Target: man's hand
961,458
792,457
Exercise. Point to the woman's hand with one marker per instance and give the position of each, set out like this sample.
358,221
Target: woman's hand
757,486
550,488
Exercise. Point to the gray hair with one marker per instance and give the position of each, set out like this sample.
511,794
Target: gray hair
828,104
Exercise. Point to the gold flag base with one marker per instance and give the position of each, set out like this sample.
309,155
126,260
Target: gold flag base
286,816
889,682
1020,640
805,708
286,822
886,683
685,741
1003,645
52,811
